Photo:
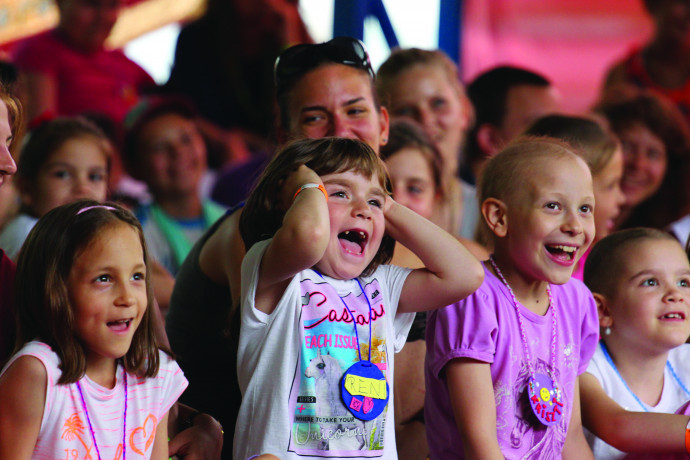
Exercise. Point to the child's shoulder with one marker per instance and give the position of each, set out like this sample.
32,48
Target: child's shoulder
45,358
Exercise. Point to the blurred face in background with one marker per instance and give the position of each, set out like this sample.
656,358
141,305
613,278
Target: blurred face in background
87,23
425,94
644,162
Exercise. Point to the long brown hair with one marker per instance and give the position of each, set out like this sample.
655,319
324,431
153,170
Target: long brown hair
43,308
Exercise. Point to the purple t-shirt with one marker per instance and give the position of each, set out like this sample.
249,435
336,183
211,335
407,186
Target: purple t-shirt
484,327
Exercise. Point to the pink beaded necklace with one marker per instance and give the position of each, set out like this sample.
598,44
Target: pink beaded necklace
545,397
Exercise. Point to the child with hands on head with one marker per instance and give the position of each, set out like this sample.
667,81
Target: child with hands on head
641,282
322,317
518,344
89,377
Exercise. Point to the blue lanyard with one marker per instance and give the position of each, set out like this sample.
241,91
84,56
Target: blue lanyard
613,365
354,321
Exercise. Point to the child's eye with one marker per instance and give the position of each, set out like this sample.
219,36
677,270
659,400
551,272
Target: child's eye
683,283
650,282
102,278
139,277
414,189
438,102
61,174
376,203
405,112
554,206
96,177
339,194
586,209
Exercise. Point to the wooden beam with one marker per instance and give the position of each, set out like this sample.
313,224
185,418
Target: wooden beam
21,18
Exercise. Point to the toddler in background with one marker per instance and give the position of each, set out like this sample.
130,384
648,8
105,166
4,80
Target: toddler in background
63,160
641,282
603,154
164,148
502,365
89,378
321,316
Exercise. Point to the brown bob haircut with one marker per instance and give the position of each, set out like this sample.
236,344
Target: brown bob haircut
604,263
262,217
42,302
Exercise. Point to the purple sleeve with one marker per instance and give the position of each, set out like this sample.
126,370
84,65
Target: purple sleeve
589,330
466,329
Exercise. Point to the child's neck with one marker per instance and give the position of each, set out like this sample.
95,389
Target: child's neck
643,371
531,293
102,371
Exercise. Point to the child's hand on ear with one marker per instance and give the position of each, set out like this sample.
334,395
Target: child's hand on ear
297,178
390,207
389,201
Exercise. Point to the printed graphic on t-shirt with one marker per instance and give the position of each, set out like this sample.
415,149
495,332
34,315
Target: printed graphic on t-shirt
81,446
322,424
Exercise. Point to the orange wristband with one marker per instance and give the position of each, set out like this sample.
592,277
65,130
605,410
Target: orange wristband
687,437
306,186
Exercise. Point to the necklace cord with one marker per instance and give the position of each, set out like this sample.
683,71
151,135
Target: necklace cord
88,419
605,349
522,327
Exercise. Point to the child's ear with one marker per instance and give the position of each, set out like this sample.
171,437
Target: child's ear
605,318
489,139
495,215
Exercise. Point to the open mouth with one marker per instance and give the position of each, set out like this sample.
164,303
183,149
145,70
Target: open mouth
562,252
120,325
675,315
353,241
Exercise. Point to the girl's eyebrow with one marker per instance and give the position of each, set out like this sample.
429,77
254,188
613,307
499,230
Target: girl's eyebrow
338,181
378,192
654,272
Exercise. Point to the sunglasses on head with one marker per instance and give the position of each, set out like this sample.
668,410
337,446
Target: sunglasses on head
299,59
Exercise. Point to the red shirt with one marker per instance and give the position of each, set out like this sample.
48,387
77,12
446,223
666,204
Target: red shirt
104,81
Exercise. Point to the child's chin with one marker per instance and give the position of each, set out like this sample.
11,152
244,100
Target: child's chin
561,276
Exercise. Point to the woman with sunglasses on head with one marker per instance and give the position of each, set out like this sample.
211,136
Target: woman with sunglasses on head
323,90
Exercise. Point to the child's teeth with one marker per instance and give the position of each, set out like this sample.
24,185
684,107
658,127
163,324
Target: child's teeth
565,248
673,315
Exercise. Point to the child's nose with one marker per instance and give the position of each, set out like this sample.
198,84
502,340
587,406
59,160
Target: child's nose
360,208
572,223
125,297
674,294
